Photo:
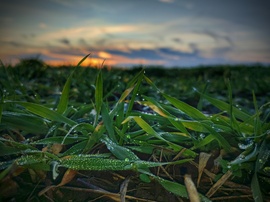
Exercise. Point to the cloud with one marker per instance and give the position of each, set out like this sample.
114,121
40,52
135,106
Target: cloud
153,54
218,37
64,41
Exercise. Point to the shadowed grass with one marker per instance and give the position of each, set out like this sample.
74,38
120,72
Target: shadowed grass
127,127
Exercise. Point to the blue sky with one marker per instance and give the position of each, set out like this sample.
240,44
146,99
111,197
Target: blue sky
181,33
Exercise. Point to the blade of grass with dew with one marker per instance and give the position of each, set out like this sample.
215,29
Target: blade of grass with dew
82,126
223,106
108,122
44,112
257,122
76,149
148,129
25,122
156,107
59,140
221,140
120,152
135,85
98,95
18,145
137,81
95,137
34,162
186,108
205,141
84,162
233,121
63,102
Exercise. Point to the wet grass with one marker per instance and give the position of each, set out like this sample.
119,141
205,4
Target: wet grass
141,134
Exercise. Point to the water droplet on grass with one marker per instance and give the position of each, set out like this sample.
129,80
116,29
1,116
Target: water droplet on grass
202,135
127,159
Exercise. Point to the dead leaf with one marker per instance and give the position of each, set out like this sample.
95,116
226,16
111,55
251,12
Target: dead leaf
191,189
68,176
203,159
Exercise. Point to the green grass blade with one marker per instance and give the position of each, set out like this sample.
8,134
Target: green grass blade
126,93
148,129
138,81
98,95
1,107
85,162
25,122
221,140
187,109
255,187
108,122
82,60
223,106
63,102
59,140
45,112
120,152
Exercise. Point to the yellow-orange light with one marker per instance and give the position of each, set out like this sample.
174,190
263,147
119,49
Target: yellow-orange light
103,54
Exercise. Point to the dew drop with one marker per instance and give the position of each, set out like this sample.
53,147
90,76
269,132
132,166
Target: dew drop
127,159
202,135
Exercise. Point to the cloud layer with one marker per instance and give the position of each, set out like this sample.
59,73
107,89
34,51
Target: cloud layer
126,33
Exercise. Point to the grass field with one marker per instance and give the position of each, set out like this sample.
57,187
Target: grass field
143,134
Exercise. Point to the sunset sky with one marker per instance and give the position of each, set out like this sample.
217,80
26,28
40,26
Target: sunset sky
181,33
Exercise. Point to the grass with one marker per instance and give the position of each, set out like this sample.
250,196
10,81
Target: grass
140,134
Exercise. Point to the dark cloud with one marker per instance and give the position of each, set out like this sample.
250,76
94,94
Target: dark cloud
217,37
136,54
170,52
177,40
64,41
157,54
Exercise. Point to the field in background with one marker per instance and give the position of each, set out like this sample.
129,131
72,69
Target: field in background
157,126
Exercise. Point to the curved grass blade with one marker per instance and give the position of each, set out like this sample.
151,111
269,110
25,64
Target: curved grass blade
63,103
84,162
221,140
82,126
25,122
223,106
59,140
148,129
82,60
45,112
98,95
187,109
120,152
108,122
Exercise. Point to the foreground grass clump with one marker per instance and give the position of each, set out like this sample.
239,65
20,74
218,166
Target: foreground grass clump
132,135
